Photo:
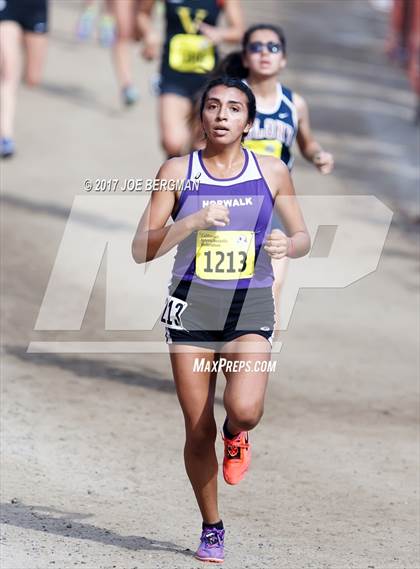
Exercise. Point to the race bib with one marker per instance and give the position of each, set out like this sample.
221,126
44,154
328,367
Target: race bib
264,147
225,255
171,315
190,53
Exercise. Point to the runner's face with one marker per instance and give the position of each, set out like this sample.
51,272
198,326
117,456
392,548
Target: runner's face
264,63
225,115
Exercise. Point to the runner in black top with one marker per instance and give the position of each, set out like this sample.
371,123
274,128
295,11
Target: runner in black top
189,56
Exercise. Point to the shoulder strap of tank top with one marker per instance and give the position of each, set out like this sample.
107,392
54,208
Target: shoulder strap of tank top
287,93
288,100
196,170
183,195
254,159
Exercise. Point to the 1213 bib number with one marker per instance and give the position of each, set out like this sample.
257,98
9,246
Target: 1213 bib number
225,255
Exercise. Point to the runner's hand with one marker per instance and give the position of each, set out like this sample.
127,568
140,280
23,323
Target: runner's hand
214,34
324,161
213,214
151,46
277,244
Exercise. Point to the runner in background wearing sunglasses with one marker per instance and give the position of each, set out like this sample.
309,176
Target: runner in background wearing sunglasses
282,115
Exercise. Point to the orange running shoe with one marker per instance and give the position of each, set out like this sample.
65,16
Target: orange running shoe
237,457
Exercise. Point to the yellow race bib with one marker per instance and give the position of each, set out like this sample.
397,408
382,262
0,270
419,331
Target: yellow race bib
264,147
190,53
225,255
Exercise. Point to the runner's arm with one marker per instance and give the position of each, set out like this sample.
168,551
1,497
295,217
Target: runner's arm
152,238
148,34
235,29
308,146
296,242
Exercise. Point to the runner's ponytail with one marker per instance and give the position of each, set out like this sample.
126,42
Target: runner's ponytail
232,66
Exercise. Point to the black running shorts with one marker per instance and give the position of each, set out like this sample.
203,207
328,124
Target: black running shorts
31,15
188,87
208,317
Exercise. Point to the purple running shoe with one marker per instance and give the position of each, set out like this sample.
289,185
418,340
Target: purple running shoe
211,547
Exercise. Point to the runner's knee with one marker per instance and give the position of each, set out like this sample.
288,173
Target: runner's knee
124,34
245,417
172,145
200,437
8,73
32,79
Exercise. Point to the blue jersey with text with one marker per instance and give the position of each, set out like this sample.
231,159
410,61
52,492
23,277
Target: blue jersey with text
274,130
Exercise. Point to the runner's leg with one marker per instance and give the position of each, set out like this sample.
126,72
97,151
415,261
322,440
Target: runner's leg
35,52
123,13
10,69
174,112
245,390
195,392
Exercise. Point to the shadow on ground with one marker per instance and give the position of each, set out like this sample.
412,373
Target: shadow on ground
95,369
55,210
67,524
77,95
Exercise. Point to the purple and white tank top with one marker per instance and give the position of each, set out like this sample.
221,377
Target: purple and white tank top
226,257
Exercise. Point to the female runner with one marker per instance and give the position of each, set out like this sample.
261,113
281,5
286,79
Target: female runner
118,29
189,56
23,31
282,115
127,31
220,301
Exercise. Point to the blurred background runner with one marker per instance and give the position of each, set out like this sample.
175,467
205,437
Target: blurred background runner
23,36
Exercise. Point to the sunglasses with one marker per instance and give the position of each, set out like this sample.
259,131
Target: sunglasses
258,46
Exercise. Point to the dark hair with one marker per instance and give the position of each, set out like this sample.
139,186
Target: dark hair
232,64
276,29
231,82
